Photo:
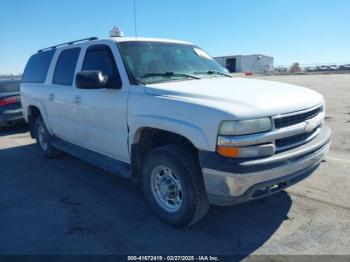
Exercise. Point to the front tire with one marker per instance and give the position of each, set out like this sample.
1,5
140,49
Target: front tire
173,185
44,139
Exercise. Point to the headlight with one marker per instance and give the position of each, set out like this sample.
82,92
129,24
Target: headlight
245,127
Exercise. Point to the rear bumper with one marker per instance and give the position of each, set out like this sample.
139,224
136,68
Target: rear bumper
232,181
10,115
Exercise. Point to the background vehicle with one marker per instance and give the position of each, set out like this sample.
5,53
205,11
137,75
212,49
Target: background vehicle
164,114
281,69
10,104
345,67
333,68
311,69
322,68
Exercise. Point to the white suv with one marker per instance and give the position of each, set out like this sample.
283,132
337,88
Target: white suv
164,114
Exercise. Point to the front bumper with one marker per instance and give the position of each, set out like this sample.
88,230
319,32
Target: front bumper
232,181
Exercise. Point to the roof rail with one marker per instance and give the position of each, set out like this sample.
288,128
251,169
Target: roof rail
68,43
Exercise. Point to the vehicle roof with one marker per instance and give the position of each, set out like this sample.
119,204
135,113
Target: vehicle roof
87,41
233,56
148,39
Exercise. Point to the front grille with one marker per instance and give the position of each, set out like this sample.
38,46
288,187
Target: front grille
295,119
294,140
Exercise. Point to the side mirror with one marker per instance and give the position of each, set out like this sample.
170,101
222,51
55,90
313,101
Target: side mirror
90,80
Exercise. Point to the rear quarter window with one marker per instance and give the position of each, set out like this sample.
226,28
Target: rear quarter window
37,67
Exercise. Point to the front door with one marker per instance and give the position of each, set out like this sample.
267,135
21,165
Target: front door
101,114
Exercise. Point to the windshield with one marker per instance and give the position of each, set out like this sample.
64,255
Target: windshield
153,62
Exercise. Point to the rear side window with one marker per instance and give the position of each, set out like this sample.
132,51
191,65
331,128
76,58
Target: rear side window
37,67
100,57
65,67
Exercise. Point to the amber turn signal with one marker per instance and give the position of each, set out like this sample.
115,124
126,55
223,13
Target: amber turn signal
228,151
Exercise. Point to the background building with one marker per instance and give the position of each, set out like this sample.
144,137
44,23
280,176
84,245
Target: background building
246,63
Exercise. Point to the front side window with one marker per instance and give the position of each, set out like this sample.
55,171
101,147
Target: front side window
65,67
37,67
151,62
100,58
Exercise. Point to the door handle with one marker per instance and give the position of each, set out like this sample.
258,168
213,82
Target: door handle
77,100
51,96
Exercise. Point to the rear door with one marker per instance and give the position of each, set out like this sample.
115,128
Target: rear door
60,104
102,113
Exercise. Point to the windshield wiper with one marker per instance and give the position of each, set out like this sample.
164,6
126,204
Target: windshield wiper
212,72
170,74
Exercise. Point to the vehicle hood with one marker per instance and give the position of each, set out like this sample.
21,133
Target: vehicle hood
240,97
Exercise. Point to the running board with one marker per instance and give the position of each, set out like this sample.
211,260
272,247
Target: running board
107,163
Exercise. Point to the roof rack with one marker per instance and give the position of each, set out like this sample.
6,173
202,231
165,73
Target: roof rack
68,43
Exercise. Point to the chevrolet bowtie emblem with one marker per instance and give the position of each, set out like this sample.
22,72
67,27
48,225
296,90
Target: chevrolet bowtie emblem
309,126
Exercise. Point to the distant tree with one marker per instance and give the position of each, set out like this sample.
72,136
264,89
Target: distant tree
295,68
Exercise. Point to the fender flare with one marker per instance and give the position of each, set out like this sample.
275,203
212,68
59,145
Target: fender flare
41,107
188,130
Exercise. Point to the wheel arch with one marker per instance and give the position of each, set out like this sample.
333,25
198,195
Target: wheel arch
190,131
158,132
34,110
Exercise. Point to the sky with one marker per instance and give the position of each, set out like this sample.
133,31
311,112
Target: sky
304,31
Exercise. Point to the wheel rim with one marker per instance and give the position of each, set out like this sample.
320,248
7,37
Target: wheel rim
41,137
166,189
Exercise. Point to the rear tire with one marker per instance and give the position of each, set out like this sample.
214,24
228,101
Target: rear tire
173,184
44,139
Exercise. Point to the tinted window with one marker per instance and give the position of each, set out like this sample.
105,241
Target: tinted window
65,67
99,57
37,67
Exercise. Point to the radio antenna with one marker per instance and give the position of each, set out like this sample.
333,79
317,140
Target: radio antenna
135,22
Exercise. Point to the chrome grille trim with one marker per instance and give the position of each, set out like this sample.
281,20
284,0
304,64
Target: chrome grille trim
273,118
300,142
289,120
274,134
311,126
